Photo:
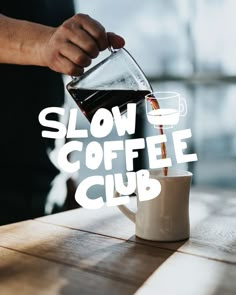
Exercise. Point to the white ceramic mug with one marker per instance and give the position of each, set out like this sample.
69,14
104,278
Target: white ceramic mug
166,217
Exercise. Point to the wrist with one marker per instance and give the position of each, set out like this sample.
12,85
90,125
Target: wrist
22,42
36,46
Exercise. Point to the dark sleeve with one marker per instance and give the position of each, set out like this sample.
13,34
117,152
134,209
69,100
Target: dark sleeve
48,12
60,10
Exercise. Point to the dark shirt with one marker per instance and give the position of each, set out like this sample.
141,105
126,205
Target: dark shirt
27,171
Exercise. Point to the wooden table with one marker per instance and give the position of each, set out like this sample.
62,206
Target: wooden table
95,252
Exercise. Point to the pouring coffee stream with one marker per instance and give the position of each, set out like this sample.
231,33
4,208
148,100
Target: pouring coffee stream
155,106
115,81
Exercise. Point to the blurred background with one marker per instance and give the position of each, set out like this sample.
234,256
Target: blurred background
186,46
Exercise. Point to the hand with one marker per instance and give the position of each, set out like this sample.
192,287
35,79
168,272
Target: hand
72,46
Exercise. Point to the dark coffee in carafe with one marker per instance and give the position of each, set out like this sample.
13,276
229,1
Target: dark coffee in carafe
90,100
115,81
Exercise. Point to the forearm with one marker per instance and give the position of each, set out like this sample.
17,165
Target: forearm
67,49
21,41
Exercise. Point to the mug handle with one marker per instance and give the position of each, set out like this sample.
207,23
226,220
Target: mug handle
183,106
125,210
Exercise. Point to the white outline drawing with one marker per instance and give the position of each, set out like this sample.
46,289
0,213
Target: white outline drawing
172,106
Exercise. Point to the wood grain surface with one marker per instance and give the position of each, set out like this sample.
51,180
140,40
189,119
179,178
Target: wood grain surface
25,274
96,252
212,222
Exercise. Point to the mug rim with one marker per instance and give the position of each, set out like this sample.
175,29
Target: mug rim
158,173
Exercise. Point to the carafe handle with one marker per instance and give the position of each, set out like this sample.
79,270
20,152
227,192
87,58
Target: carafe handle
110,48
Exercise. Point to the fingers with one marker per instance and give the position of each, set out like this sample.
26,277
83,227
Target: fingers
86,33
90,35
115,41
75,54
71,47
85,42
94,29
69,68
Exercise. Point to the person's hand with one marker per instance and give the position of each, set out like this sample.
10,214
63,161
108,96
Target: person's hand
70,48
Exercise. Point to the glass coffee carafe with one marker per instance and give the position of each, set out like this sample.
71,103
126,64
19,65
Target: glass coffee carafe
115,81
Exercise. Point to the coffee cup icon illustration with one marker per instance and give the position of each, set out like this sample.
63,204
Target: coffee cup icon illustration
163,109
